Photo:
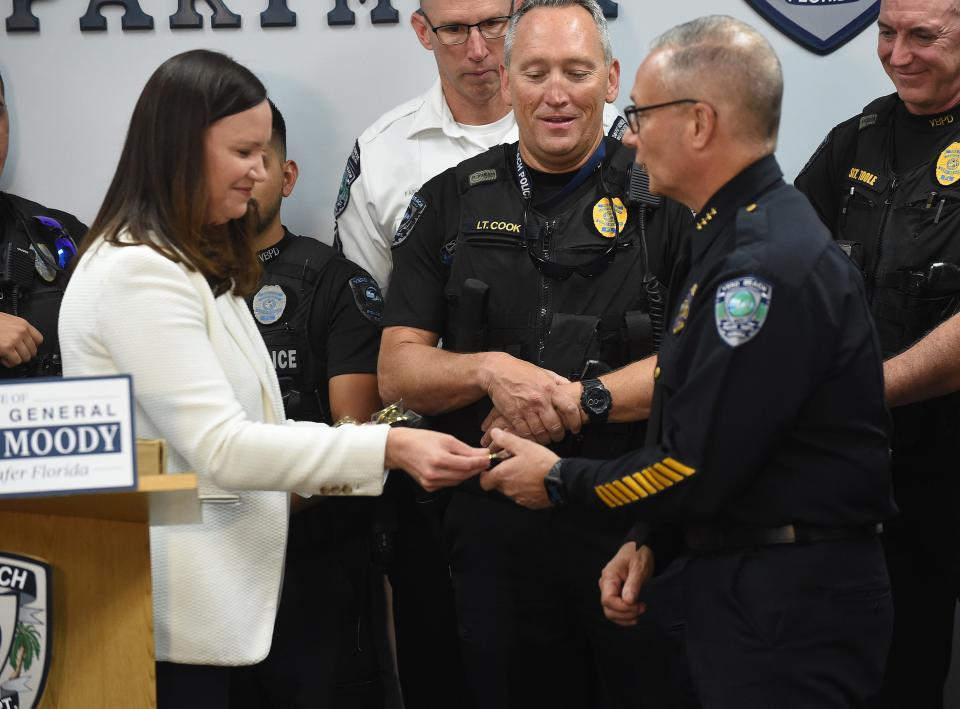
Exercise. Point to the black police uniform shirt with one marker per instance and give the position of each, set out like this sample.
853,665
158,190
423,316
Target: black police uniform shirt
39,302
768,404
472,221
340,306
887,185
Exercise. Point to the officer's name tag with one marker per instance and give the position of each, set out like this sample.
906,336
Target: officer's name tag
66,436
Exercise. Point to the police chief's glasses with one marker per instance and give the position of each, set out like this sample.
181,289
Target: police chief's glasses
491,28
633,113
563,271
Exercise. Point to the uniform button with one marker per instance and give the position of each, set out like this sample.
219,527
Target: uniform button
347,489
656,373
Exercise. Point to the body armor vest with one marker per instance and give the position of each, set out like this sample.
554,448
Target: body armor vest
902,230
498,300
31,286
291,278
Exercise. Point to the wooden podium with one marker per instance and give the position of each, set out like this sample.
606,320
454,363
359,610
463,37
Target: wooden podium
102,651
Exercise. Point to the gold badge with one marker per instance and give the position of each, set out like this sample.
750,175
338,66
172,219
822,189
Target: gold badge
603,217
948,165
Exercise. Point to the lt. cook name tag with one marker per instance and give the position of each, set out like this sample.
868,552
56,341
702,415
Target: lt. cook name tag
66,436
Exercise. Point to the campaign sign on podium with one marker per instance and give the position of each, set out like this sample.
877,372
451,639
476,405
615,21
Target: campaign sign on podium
67,436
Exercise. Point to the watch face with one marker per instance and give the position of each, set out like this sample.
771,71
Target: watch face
598,400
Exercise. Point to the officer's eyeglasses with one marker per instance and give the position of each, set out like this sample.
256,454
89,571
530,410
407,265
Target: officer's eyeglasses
491,28
563,271
65,246
633,113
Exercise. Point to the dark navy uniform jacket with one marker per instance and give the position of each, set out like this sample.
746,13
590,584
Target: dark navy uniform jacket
768,403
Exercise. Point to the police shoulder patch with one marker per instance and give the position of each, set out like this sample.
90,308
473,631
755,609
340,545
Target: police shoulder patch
619,128
367,296
816,153
350,174
741,308
409,221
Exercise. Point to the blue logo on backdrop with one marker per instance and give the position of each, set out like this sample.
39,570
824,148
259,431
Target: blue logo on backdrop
822,26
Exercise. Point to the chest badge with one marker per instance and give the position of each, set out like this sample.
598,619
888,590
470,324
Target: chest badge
948,165
603,217
741,308
684,312
269,304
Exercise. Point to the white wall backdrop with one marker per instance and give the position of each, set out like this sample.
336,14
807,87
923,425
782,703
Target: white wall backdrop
71,92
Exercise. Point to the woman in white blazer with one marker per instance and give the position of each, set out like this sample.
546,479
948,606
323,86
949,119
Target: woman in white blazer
157,293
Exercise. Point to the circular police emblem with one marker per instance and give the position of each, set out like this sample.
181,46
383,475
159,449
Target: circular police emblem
948,165
367,296
43,262
741,308
603,217
268,304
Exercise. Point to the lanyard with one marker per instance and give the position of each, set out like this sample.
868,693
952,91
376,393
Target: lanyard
526,184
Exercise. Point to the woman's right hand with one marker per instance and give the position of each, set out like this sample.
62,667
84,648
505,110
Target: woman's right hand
434,460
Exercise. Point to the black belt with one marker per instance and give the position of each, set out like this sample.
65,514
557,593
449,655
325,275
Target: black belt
708,537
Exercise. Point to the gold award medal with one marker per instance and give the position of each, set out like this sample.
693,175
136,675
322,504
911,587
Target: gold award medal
948,165
603,217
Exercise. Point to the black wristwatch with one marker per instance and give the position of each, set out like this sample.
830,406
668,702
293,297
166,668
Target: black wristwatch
596,400
553,483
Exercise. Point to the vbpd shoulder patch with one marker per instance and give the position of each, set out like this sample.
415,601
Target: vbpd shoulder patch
26,630
409,221
350,174
742,305
367,296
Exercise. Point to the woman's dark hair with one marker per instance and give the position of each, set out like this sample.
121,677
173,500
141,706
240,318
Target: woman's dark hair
158,194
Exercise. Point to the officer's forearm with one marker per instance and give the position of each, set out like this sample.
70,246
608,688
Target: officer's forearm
353,395
631,389
429,380
929,369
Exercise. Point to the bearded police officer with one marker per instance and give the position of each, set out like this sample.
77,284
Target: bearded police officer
767,441
36,246
319,315
535,265
887,184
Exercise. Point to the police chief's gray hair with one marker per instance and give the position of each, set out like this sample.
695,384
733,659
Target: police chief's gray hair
591,6
726,58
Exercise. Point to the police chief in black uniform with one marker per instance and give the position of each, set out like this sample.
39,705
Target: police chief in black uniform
886,184
37,245
319,315
768,439
536,265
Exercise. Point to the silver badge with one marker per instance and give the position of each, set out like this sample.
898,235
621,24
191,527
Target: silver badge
25,630
268,304
42,263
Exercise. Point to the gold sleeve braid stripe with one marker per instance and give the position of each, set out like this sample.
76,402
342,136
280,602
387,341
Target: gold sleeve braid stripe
644,483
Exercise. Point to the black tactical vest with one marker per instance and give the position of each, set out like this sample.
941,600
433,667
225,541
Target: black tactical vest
31,285
498,300
283,309
903,229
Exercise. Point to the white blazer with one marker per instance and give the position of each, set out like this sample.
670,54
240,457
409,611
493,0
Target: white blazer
203,380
